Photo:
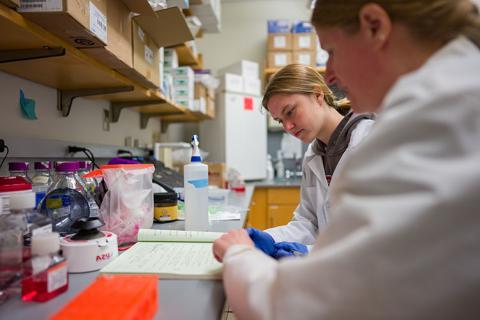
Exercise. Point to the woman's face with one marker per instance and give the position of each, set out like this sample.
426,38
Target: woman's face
354,67
301,115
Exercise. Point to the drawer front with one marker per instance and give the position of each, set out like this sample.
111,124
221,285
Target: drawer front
283,195
279,215
257,215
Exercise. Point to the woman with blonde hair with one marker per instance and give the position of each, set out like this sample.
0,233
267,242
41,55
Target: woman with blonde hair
403,240
298,97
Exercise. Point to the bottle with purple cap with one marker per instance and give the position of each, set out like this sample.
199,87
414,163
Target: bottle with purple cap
90,183
19,169
41,179
67,199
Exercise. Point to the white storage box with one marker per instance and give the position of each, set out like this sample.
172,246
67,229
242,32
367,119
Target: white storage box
252,86
231,83
244,68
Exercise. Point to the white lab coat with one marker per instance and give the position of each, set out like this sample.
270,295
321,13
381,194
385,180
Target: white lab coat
404,238
312,210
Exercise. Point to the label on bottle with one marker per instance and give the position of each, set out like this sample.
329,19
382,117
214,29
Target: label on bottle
199,183
57,277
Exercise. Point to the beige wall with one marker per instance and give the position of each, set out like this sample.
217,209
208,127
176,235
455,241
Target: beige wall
244,30
84,124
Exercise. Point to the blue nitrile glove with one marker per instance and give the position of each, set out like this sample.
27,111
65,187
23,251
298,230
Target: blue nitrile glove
262,240
289,249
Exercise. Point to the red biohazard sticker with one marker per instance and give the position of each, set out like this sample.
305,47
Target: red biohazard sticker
248,103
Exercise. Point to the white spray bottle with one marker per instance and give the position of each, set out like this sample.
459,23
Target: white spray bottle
195,175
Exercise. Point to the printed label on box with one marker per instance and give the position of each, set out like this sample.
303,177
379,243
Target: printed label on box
148,55
98,23
304,58
141,34
247,103
280,59
304,42
280,41
40,5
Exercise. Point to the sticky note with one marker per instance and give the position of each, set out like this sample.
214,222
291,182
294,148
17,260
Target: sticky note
27,106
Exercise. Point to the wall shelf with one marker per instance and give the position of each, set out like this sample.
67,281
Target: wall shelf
74,70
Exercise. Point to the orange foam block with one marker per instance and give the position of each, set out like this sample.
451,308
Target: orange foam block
114,297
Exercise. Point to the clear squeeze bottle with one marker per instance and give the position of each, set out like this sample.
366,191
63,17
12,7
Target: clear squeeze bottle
196,191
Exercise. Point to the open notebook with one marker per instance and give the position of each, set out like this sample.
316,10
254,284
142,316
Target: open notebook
172,254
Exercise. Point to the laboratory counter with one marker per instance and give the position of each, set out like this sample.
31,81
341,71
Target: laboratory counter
178,299
277,183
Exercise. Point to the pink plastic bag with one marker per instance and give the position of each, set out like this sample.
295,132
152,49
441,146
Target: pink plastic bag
128,203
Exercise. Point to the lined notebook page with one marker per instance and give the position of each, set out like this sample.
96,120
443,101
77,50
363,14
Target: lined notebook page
170,260
177,236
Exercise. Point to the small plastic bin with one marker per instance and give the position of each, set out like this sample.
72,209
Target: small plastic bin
217,196
118,297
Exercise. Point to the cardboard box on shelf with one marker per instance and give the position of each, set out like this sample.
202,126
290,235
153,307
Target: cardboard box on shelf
304,57
304,41
200,90
170,58
211,93
279,42
216,174
145,59
230,82
211,107
244,68
279,59
83,23
11,3
118,52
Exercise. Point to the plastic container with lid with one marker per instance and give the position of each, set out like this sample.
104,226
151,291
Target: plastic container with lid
114,297
19,169
10,186
13,226
45,275
165,203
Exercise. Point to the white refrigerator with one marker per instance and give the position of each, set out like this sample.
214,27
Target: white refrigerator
238,135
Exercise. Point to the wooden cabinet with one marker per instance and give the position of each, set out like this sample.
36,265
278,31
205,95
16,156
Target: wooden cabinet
272,206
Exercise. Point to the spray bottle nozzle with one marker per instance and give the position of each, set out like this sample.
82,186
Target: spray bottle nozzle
196,157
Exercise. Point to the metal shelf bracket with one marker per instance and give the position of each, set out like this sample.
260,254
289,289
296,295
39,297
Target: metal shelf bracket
30,54
144,117
116,107
65,97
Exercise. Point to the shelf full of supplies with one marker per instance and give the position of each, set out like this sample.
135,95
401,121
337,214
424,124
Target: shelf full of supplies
30,52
